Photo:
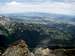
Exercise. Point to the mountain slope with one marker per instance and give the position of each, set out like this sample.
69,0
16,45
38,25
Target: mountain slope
36,35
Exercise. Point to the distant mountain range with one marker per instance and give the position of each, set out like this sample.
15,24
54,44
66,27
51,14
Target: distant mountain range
42,17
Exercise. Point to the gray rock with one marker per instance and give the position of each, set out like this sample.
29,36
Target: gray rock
19,48
44,52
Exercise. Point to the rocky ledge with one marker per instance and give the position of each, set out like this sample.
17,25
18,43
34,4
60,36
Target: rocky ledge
18,48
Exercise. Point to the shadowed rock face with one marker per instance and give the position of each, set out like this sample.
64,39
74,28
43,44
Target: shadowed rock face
19,48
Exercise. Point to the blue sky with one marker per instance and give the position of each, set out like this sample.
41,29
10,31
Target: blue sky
33,0
49,6
40,1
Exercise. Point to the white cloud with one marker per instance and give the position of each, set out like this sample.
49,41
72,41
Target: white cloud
61,8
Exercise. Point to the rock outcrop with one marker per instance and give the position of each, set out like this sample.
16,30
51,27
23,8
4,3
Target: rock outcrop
4,20
19,48
44,52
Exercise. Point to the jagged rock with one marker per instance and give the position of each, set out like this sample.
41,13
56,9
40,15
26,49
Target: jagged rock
44,52
19,48
4,20
32,54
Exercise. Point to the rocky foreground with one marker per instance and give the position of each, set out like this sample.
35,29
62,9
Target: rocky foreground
17,49
20,48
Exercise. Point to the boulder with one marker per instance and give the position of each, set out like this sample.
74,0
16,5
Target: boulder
18,48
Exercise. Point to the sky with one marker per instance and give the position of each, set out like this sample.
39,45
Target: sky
66,7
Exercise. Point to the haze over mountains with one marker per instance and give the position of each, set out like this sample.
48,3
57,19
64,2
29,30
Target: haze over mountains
59,18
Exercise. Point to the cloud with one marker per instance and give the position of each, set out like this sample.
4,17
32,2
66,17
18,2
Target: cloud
60,8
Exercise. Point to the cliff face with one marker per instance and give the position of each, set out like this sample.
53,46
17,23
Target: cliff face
19,48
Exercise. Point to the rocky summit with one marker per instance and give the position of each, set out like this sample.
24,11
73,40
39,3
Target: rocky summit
19,48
